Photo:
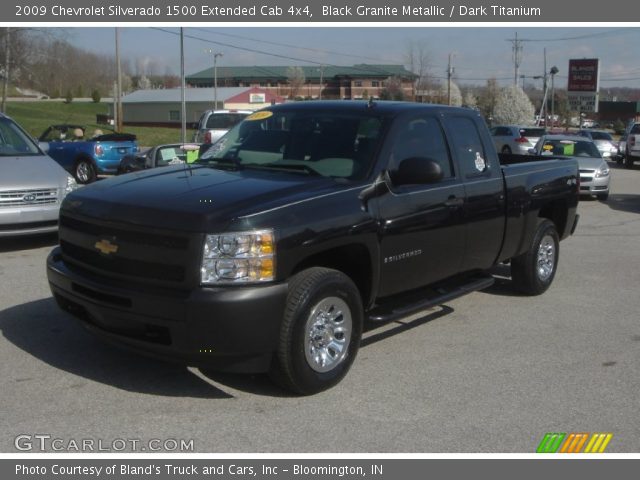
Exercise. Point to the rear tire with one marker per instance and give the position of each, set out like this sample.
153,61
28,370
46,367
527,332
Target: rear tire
506,149
84,171
533,271
320,333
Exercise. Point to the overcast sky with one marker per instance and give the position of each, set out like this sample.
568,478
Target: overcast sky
479,53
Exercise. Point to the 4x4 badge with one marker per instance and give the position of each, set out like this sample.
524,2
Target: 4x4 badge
106,247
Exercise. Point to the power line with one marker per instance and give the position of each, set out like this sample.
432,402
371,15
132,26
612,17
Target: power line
617,31
277,55
278,44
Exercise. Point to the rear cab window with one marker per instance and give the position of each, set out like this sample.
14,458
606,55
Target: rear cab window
467,145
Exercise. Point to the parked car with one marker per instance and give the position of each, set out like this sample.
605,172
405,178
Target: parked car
32,185
603,140
86,158
632,147
622,147
594,171
517,139
269,254
159,156
213,124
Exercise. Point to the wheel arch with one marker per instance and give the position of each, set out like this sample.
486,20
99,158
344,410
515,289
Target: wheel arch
354,260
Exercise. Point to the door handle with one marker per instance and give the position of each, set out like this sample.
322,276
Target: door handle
454,201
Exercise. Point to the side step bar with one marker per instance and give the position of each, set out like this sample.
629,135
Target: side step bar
403,307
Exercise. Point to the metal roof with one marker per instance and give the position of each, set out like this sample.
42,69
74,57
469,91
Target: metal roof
172,95
310,72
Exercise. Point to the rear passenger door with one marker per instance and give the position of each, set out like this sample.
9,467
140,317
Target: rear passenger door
423,232
484,208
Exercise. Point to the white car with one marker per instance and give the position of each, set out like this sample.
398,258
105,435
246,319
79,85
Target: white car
517,139
32,184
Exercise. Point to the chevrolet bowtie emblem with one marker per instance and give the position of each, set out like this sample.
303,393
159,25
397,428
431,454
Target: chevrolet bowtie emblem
106,247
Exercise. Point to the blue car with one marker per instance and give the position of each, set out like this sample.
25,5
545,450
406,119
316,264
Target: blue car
87,157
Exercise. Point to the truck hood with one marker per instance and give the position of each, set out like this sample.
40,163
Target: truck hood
31,172
197,199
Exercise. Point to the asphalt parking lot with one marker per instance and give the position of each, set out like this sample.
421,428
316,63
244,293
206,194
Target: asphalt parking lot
490,372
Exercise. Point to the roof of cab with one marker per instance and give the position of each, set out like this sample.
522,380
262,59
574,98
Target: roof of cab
382,106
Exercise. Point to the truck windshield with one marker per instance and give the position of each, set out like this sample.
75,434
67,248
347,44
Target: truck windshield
14,142
330,144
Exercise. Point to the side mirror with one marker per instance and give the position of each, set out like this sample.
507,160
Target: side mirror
532,151
44,146
416,170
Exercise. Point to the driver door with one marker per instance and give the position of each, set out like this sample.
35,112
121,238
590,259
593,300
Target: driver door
422,226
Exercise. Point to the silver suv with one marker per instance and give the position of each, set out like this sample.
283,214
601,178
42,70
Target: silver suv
32,185
213,124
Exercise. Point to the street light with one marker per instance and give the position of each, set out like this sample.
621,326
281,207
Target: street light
553,72
215,75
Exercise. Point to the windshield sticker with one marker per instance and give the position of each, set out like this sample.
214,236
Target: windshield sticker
260,115
480,163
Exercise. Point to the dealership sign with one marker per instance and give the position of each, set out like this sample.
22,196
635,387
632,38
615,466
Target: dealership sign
584,84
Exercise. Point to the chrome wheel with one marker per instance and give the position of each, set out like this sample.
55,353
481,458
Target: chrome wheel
83,172
328,333
546,257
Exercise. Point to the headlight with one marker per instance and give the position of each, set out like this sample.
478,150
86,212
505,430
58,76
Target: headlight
71,185
239,257
602,172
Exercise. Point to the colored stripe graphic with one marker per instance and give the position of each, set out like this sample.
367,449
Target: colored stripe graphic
573,442
550,442
598,443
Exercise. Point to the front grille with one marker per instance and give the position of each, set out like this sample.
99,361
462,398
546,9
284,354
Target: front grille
41,196
123,266
126,235
586,179
133,253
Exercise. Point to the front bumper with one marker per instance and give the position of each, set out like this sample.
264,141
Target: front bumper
590,185
233,329
29,220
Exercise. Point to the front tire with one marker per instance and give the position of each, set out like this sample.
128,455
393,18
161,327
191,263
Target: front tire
603,197
533,271
320,333
84,171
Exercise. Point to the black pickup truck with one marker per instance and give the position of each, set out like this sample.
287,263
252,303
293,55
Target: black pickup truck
306,220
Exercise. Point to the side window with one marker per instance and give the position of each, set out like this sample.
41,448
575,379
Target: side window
467,145
421,137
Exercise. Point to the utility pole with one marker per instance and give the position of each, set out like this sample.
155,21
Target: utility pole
183,103
321,79
215,75
449,75
118,123
517,56
5,76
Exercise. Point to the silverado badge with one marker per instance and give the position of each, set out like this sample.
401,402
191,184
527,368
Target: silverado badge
106,247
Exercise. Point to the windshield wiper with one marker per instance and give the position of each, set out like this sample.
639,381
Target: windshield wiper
227,163
289,166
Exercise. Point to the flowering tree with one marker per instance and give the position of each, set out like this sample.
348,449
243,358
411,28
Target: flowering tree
513,107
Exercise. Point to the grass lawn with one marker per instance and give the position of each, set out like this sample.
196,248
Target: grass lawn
35,117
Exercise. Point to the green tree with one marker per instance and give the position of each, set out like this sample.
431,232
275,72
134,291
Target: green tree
69,97
95,96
